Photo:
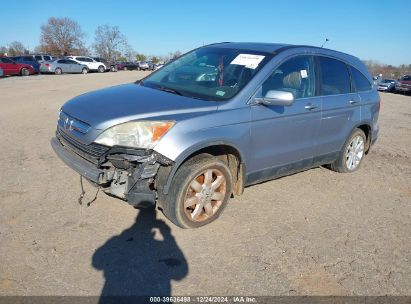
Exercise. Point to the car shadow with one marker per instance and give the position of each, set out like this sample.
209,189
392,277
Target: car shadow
141,261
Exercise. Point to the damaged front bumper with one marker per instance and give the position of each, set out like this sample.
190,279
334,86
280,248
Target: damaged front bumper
125,173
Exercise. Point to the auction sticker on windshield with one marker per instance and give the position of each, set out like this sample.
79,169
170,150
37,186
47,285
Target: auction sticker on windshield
248,60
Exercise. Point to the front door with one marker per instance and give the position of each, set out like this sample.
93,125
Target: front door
284,137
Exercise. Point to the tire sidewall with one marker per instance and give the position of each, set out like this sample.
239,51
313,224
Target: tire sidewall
181,183
58,71
24,72
356,133
84,71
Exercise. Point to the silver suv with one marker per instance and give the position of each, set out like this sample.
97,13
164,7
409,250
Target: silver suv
218,119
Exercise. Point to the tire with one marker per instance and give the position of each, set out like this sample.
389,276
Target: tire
101,69
352,154
24,72
113,69
84,71
58,71
201,209
138,69
125,68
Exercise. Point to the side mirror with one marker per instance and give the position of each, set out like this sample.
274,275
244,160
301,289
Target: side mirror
276,98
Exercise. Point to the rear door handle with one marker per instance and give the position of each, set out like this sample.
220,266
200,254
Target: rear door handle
353,101
310,106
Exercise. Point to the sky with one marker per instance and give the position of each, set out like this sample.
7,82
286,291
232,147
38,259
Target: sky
370,30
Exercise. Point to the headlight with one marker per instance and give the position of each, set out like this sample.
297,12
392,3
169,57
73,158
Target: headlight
135,134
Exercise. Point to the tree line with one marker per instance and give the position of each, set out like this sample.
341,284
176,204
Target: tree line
64,36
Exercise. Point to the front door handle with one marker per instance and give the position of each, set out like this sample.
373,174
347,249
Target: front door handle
310,106
353,101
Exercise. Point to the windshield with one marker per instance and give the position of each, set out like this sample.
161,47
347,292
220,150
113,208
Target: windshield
209,73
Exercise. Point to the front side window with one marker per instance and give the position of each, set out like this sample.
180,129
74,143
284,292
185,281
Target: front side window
38,57
296,75
209,73
334,78
361,83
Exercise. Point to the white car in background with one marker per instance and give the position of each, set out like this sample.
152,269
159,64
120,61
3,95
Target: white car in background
92,64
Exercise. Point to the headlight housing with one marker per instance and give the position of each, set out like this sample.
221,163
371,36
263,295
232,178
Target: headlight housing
135,134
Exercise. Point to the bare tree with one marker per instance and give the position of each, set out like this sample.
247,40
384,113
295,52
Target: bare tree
62,36
141,57
109,41
16,48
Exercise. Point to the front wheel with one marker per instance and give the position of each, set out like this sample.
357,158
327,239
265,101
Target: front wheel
101,69
84,71
199,192
58,71
352,153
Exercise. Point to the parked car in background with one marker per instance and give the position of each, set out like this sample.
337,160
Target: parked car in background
28,59
42,57
60,66
158,66
387,85
143,66
109,66
218,119
403,85
92,64
11,67
1,72
126,66
151,66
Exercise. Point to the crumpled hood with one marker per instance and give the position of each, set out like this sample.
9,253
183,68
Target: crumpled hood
107,107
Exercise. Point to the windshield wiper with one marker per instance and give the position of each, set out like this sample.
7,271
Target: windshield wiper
165,89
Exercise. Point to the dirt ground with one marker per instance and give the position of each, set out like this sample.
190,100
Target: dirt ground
312,233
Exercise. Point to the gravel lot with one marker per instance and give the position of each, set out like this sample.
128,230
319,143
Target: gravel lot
312,233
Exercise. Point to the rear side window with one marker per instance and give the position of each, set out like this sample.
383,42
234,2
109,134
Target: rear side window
361,83
28,58
335,78
62,61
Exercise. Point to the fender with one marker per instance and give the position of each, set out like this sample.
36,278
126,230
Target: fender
197,147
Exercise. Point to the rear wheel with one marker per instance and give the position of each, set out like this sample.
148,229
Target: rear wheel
101,69
84,71
352,153
58,71
24,72
199,192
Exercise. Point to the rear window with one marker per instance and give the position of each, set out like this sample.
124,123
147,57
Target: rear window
406,78
335,78
361,83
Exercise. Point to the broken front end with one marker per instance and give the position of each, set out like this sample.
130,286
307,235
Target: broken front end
126,173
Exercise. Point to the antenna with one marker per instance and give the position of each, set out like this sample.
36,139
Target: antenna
326,40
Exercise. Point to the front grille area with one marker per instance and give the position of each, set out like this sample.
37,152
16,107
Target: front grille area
91,152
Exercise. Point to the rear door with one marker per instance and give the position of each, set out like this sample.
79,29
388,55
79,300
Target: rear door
284,137
62,64
341,106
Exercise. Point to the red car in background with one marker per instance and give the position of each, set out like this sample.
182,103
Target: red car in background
403,85
10,67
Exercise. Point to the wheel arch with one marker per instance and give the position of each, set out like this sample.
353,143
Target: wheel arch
225,151
366,128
